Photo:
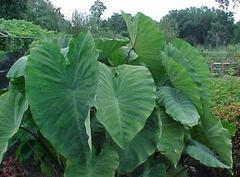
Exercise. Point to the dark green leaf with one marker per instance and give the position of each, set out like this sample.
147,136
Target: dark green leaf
171,142
142,146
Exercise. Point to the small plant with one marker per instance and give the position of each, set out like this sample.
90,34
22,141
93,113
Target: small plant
118,107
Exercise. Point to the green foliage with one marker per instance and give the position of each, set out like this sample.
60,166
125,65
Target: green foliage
43,13
114,89
202,26
21,28
97,9
237,33
225,98
19,34
133,119
147,139
13,9
116,23
68,77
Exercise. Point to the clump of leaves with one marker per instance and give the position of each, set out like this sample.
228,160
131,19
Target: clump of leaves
21,28
116,107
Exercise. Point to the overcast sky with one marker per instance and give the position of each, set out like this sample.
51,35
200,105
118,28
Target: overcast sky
153,8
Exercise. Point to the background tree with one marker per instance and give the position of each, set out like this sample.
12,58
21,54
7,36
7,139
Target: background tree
13,9
237,33
116,23
225,3
97,10
170,27
80,22
203,26
43,13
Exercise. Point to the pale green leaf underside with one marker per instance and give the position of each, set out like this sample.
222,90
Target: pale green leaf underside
61,91
171,142
142,146
12,107
103,165
18,69
204,155
125,99
178,106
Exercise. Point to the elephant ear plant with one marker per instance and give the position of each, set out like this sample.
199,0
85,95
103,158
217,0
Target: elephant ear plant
118,107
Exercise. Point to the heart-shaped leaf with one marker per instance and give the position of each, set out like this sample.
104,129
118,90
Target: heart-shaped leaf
125,99
66,89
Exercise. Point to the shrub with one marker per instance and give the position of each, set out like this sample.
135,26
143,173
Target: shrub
116,107
20,34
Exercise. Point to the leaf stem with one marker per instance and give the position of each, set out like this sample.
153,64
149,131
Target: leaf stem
128,56
58,166
180,172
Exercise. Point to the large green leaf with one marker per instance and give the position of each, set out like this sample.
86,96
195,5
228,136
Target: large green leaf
103,165
171,142
190,58
107,46
61,91
216,138
182,80
12,107
142,146
178,106
18,69
123,102
147,41
204,155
